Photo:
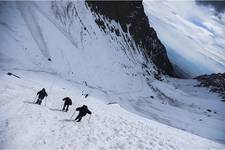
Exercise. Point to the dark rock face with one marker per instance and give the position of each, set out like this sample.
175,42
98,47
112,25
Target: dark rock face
216,83
130,15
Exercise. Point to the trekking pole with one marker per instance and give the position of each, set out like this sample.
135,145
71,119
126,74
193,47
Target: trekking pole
73,114
35,98
45,101
61,106
89,119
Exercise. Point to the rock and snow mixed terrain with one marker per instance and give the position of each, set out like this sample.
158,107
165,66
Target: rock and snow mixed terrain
32,33
216,83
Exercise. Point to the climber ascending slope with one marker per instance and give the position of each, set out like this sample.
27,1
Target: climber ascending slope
82,112
41,95
67,102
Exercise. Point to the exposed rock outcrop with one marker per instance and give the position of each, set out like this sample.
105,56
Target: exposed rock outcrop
130,15
216,83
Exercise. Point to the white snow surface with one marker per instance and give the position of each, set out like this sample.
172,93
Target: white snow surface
193,35
25,125
32,32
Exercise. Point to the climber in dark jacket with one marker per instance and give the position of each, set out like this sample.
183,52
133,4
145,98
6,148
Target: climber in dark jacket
82,112
67,102
41,95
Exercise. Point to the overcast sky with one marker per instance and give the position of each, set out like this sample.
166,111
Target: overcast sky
219,6
193,33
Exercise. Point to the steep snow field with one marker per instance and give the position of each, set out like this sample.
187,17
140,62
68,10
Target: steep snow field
77,47
194,39
33,32
25,125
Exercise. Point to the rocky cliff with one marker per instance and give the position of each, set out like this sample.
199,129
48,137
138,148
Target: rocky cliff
130,15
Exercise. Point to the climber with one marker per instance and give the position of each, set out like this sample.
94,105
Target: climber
67,102
41,95
82,112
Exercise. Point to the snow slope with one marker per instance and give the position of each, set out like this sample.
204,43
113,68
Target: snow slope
25,125
33,32
77,50
194,39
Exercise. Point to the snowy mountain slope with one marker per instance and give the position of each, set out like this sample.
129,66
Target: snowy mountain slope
28,126
81,51
68,61
194,39
181,97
